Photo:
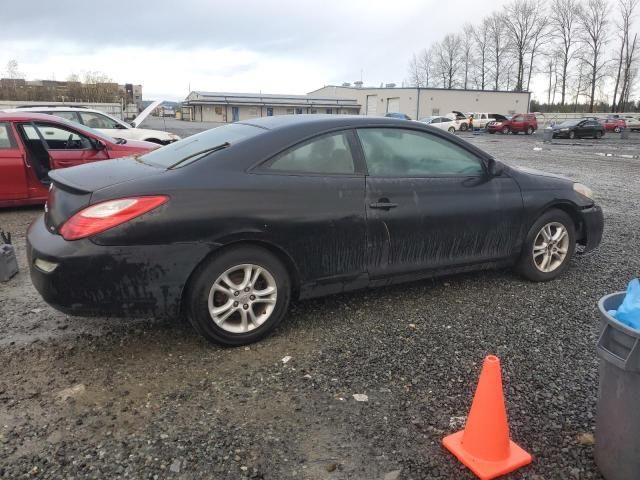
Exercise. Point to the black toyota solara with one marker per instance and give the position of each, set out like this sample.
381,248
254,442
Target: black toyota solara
228,226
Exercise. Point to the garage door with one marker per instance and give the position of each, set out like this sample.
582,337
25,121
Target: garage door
372,104
393,104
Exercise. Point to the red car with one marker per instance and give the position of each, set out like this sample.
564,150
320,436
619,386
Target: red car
31,144
615,124
521,122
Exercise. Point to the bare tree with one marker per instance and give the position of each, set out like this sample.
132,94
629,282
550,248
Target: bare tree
630,71
594,36
564,23
627,8
522,21
541,35
498,45
449,59
426,65
12,72
481,41
467,52
416,78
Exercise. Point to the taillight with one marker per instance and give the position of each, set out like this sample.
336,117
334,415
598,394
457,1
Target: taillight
105,215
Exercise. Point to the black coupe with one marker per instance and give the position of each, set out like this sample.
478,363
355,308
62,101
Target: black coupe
228,226
580,128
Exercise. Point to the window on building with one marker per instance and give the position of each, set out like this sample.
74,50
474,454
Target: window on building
435,112
392,152
253,112
298,111
329,111
290,111
6,137
313,110
327,154
269,111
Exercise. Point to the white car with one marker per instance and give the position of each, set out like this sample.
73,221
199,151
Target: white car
443,123
106,123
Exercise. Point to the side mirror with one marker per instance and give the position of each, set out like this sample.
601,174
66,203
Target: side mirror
494,168
99,145
133,124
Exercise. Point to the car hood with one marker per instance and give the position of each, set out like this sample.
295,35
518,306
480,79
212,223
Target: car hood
134,146
540,173
145,113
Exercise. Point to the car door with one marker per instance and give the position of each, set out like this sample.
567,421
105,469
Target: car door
430,204
311,197
67,147
13,170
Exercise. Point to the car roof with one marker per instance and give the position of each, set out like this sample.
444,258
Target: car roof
323,121
21,115
45,108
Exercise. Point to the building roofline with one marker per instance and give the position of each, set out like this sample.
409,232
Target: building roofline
420,88
263,96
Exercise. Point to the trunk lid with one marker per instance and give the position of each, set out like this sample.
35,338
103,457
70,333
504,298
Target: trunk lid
71,188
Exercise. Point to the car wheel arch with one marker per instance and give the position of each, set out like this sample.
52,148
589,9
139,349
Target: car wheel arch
279,253
570,209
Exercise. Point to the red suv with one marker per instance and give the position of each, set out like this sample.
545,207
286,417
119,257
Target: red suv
615,124
521,122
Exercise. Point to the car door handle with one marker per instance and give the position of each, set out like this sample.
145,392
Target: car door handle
383,205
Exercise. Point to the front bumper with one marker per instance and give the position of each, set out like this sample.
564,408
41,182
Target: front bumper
91,279
592,228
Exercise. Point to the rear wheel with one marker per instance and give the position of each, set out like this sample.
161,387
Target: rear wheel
238,297
617,129
598,135
463,127
530,131
572,135
548,248
452,130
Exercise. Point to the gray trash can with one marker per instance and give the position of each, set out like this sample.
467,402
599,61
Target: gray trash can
547,135
617,449
8,263
624,134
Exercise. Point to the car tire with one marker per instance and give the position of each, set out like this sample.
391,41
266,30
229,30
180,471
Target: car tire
452,130
240,323
598,135
617,129
572,135
505,130
536,250
464,127
530,131
492,132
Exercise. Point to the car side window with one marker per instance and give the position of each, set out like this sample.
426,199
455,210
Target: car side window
328,154
391,152
71,116
59,138
7,142
436,120
95,120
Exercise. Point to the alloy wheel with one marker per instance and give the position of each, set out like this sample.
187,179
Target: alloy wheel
550,247
242,298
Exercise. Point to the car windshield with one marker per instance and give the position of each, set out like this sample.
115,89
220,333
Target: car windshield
190,149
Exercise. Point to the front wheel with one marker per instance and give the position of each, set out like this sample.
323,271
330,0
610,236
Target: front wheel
463,127
548,248
572,135
452,130
598,135
505,130
530,131
239,296
617,129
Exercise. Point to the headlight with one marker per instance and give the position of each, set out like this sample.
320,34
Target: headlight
564,129
583,190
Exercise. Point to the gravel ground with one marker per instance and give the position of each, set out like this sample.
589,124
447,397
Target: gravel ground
110,398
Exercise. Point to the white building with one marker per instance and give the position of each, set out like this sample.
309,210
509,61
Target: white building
232,107
423,102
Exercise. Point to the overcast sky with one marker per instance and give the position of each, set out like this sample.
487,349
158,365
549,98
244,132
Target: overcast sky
281,46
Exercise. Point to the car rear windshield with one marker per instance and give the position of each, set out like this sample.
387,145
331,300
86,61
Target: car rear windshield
193,148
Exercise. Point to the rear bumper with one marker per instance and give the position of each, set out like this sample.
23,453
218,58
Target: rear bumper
592,227
90,279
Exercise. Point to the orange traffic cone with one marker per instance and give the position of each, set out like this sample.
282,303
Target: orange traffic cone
484,445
